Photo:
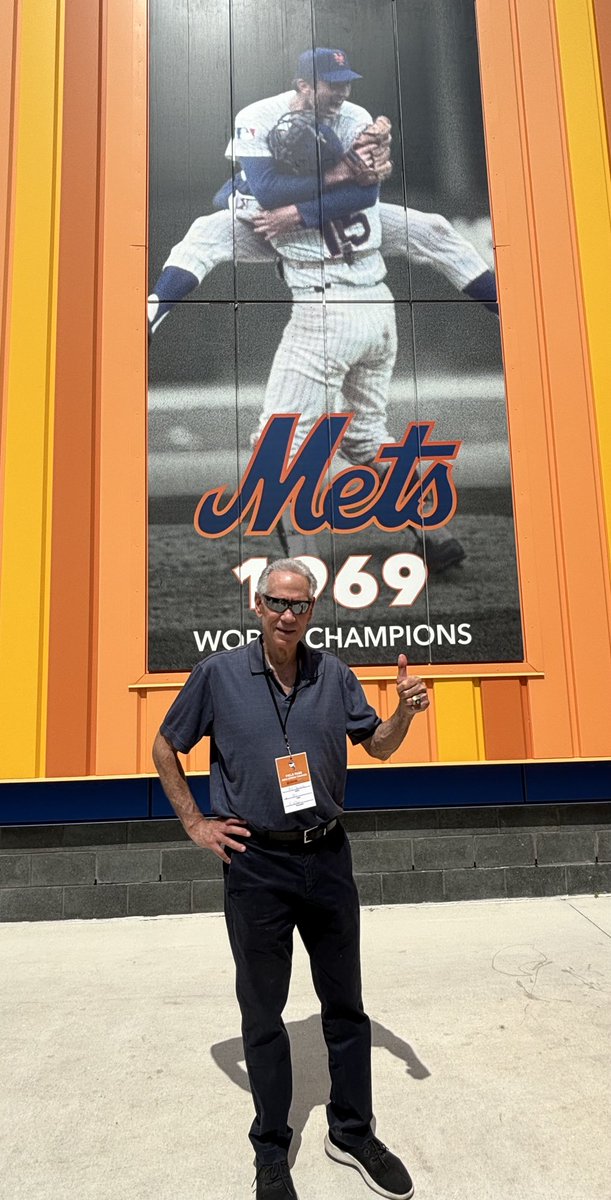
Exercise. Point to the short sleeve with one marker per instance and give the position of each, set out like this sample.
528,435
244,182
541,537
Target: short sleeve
191,715
250,135
361,719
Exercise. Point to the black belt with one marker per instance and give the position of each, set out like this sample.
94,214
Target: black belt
325,286
294,837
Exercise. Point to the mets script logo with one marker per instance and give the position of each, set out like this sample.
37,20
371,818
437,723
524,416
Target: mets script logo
415,489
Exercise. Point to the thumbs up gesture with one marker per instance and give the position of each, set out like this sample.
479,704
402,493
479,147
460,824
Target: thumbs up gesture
410,689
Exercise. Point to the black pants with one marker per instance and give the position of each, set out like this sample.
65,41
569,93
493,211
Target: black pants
268,893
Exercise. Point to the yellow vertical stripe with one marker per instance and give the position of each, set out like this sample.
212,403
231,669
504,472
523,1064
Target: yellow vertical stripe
478,713
459,721
25,568
591,183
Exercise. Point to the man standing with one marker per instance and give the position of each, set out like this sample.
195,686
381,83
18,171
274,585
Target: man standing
277,714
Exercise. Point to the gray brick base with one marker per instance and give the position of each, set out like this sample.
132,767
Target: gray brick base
146,868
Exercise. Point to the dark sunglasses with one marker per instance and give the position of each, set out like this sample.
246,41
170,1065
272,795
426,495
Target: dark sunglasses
279,604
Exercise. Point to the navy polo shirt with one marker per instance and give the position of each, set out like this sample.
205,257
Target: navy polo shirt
227,698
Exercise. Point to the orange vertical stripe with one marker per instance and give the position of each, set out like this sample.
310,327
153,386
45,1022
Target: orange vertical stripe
120,640
376,696
602,15
506,97
199,758
74,445
504,732
420,745
153,710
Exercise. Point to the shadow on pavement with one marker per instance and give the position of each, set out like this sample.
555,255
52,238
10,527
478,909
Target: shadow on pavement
310,1077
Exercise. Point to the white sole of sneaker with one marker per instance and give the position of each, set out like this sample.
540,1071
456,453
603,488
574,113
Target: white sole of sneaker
343,1156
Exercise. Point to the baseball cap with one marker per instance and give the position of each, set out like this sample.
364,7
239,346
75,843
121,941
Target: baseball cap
331,66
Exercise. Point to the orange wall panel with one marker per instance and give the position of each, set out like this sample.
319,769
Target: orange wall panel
505,717
571,557
120,649
70,636
152,708
377,697
199,758
520,289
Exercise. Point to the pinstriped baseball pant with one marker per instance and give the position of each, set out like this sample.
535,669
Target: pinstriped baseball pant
337,357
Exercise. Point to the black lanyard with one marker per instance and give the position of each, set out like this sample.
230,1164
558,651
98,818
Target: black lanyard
271,690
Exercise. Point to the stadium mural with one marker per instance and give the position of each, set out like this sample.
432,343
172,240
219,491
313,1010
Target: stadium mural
78,627
325,371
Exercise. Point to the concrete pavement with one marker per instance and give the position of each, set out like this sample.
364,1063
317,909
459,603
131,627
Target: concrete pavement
122,1076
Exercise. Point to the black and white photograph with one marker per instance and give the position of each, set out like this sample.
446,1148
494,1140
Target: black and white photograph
325,362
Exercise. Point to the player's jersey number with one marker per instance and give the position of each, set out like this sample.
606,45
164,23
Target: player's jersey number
340,234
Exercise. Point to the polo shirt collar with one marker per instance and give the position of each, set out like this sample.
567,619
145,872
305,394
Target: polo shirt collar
307,661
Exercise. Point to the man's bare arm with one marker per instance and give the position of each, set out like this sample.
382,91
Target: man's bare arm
211,834
412,699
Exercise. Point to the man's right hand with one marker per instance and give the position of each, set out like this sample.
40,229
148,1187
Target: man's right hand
210,835
217,834
275,222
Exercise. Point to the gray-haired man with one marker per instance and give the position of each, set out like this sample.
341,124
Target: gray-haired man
277,714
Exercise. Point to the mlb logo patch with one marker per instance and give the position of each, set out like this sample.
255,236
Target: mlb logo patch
245,134
339,58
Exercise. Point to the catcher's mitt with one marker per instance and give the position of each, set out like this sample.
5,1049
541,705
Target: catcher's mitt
300,146
373,146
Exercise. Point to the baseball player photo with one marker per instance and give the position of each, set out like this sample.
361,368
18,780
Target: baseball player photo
309,337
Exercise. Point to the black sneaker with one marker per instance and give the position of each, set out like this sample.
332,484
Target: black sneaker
274,1182
383,1171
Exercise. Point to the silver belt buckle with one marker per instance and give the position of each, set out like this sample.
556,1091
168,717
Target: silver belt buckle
307,834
